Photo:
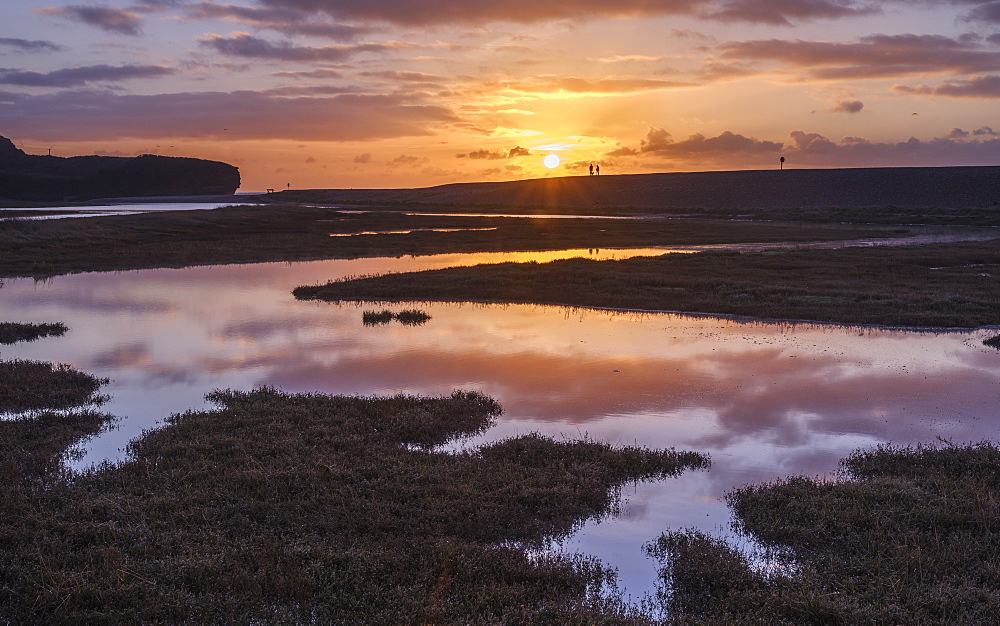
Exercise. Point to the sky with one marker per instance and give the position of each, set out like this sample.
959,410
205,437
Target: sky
414,93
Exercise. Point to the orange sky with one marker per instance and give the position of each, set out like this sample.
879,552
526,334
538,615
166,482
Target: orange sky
400,93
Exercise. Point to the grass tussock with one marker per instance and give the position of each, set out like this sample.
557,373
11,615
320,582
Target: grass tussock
409,317
376,318
909,537
35,385
13,332
285,508
940,285
993,342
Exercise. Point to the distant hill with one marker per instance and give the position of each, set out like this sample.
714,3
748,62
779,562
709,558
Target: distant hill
905,187
46,178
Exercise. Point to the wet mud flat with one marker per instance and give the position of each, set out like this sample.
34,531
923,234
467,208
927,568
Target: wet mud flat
249,234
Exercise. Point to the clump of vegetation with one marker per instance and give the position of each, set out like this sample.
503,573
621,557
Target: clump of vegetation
35,385
412,317
993,342
12,332
328,509
908,537
409,317
376,318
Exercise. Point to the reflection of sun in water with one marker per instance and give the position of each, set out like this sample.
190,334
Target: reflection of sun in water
551,161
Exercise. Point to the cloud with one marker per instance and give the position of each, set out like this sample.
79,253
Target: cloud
407,160
283,19
28,45
248,46
76,76
659,141
988,13
848,106
784,12
320,73
407,77
575,85
94,115
814,149
363,158
495,155
111,19
877,56
476,12
977,87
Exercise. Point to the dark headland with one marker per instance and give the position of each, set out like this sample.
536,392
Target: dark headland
904,187
34,178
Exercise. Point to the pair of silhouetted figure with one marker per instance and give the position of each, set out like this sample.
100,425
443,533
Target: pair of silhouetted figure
592,169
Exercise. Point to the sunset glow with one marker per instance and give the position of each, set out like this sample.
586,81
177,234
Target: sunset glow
402,93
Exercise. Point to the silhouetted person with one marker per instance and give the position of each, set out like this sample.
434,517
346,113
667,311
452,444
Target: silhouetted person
598,170
591,169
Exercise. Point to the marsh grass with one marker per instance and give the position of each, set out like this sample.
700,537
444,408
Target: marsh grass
939,285
286,508
35,446
993,342
13,332
36,385
908,536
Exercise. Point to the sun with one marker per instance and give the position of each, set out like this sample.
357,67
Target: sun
551,161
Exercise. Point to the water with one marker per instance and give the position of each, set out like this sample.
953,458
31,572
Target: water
764,400
122,209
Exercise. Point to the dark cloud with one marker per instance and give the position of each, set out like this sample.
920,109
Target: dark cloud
659,141
495,155
986,131
28,45
111,19
849,106
283,19
957,133
91,115
784,12
877,56
248,46
363,158
977,87
320,73
76,76
989,13
432,12
814,149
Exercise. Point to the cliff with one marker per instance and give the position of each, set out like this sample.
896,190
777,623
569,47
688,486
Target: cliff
46,178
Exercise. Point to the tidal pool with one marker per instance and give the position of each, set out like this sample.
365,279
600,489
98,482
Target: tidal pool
763,399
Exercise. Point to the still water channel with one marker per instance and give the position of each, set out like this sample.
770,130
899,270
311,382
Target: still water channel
763,399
